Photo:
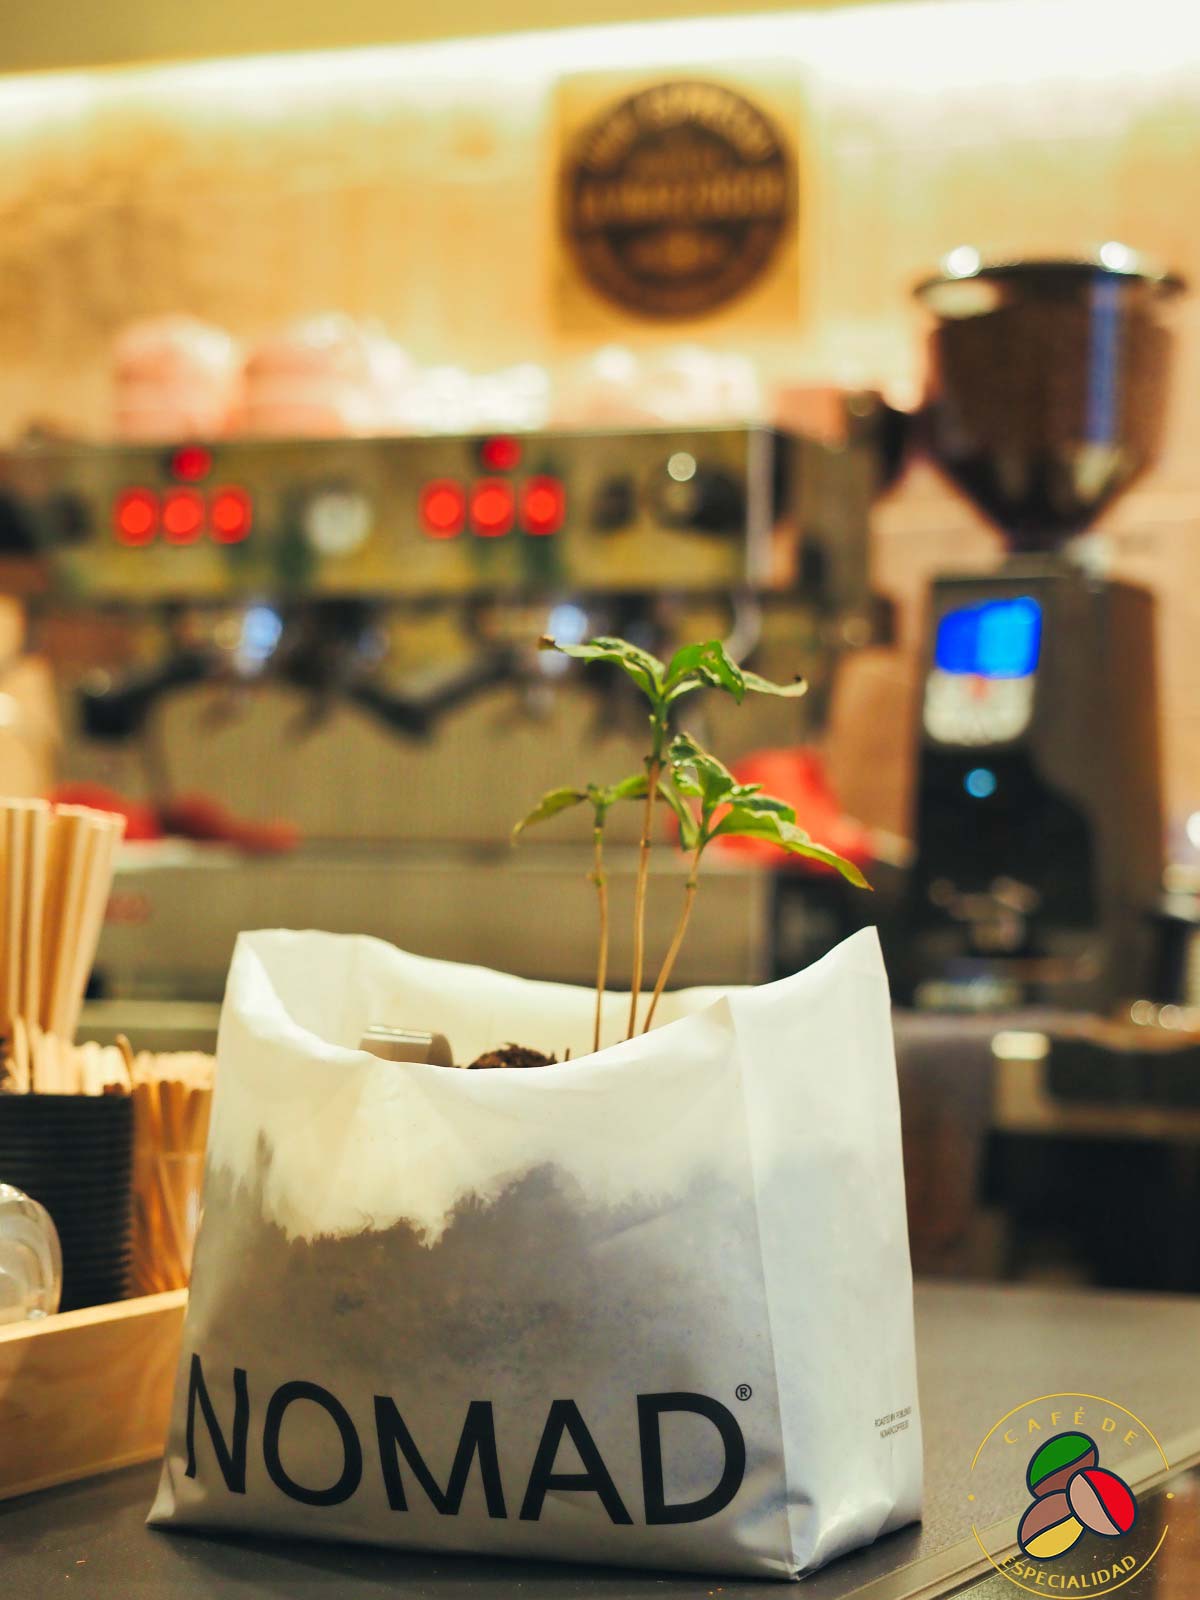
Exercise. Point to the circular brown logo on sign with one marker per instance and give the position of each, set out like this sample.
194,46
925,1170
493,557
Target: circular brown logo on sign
674,201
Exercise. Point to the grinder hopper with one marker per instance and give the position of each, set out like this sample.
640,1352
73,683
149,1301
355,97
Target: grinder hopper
1047,386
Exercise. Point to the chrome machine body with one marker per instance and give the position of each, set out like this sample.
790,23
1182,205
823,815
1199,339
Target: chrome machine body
262,619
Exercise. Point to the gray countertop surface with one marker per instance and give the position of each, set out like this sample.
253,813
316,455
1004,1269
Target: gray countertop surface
982,1350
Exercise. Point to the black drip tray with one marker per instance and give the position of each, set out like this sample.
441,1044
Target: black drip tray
1084,1072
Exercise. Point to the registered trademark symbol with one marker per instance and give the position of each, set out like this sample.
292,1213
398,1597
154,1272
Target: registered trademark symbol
743,1391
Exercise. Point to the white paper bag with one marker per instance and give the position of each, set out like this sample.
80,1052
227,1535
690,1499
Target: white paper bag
649,1306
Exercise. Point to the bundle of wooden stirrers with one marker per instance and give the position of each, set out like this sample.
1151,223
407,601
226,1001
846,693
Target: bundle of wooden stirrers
56,870
33,1061
172,1098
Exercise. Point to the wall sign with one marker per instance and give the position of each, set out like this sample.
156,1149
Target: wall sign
676,200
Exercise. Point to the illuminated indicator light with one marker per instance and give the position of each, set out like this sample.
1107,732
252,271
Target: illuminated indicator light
230,515
1118,257
183,516
962,262
135,516
980,783
191,462
568,623
501,453
543,506
443,508
493,508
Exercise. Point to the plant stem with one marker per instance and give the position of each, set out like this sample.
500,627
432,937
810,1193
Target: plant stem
681,927
600,879
653,769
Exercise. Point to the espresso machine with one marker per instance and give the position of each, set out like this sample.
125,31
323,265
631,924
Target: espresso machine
1038,825
342,632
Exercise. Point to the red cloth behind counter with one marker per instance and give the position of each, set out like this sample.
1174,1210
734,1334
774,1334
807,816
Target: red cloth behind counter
191,816
798,776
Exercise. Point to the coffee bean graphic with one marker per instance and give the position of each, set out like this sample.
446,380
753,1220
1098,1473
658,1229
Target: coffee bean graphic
1103,1502
1049,1528
1053,1466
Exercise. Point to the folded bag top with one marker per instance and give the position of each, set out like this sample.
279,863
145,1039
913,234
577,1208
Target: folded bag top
647,1306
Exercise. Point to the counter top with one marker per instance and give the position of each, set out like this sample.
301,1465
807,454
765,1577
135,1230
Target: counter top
982,1350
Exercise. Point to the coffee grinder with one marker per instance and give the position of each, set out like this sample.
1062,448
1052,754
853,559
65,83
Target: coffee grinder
1038,822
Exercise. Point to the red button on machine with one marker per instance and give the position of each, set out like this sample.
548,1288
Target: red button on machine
135,516
493,508
182,516
230,515
443,508
543,506
191,462
500,453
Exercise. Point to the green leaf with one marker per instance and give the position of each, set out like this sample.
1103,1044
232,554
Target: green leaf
683,661
776,829
681,754
691,764
551,803
708,663
631,788
605,796
819,852
749,798
683,747
790,691
647,671
689,828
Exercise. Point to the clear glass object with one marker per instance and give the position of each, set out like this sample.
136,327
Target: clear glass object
30,1258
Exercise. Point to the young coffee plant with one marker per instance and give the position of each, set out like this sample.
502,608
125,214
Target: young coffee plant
704,795
711,804
602,800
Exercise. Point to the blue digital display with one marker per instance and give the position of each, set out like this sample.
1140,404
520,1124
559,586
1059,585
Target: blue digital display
995,639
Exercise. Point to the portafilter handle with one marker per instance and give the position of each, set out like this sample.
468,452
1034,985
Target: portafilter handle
412,708
115,708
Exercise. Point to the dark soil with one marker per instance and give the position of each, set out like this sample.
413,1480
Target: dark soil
513,1055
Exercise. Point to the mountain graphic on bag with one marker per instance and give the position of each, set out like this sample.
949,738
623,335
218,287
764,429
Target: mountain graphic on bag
650,1306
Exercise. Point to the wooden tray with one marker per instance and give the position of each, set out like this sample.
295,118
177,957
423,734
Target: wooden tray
87,1391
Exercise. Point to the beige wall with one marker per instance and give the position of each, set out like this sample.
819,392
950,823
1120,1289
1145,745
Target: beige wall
414,186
